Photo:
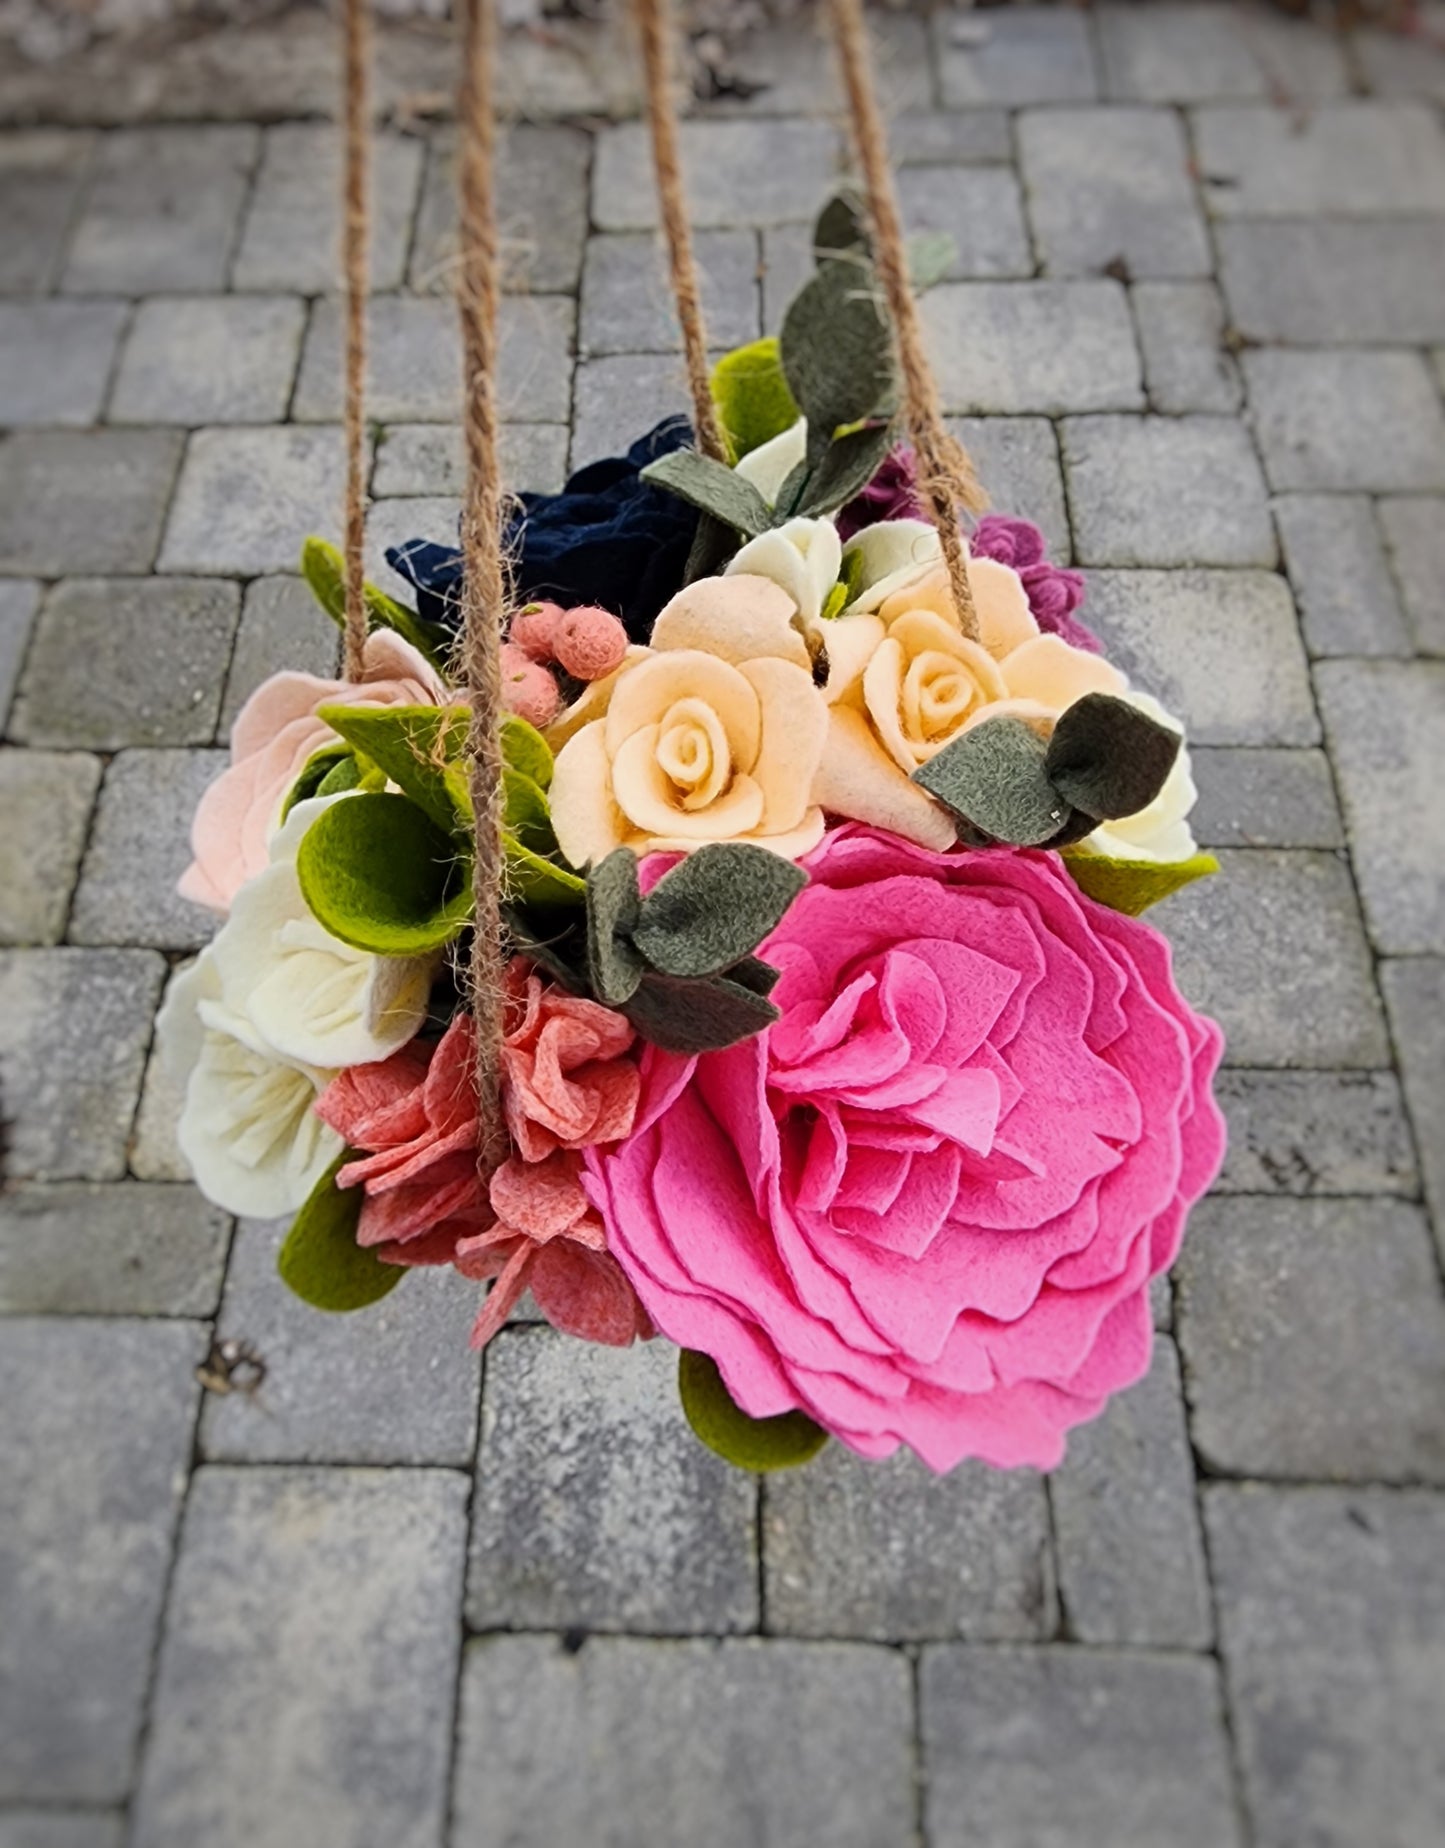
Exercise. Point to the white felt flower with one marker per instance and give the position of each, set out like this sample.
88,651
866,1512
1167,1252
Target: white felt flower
1161,831
802,556
890,554
769,465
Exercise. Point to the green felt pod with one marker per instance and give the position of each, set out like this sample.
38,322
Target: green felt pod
1132,886
379,874
324,570
525,749
760,1444
320,1260
317,772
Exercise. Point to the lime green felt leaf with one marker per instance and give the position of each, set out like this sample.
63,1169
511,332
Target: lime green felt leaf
712,487
533,880
418,747
525,749
321,1261
324,570
750,1443
317,772
752,396
836,600
1132,886
351,772
526,812
380,874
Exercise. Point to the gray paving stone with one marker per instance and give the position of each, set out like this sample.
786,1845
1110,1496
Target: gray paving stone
414,361
729,1744
394,1384
1310,283
209,360
118,1249
1022,55
925,138
1017,459
61,1829
1166,491
1047,347
1181,335
1023,1747
1415,533
738,173
1161,1303
793,64
94,1468
18,603
40,176
542,173
427,459
1315,1133
120,661
1415,996
291,238
283,628
1341,579
46,799
1264,798
1273,947
787,263
980,208
55,360
627,303
246,499
1347,419
889,1551
596,1508
1220,648
1111,186
299,1596
1396,63
617,399
1131,1561
1347,159
162,211
1385,723
1333,1626
154,1152
74,1027
1313,1335
83,500
1194,54
139,847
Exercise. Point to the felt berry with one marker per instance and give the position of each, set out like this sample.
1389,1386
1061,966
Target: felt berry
534,628
589,643
528,689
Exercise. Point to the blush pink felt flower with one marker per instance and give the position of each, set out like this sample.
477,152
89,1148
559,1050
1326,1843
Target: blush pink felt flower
925,1206
276,731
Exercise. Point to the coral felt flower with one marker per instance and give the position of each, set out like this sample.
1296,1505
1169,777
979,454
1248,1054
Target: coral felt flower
276,731
946,1176
714,733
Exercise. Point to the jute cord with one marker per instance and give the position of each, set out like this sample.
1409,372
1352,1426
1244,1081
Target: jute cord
356,240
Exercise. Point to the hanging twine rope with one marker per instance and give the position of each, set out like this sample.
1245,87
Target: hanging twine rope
657,56
356,61
946,477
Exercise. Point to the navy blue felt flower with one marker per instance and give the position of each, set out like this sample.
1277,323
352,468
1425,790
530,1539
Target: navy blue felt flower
609,538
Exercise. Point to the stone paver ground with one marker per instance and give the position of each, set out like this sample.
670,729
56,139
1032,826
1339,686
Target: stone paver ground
1196,328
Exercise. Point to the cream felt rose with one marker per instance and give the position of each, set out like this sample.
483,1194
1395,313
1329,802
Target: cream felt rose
713,733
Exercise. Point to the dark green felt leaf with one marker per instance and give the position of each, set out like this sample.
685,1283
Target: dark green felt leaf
419,748
1109,758
749,1443
715,907
525,749
316,772
713,544
754,974
1132,886
841,228
613,908
752,396
697,1016
714,488
994,777
320,1260
837,351
324,570
848,465
380,874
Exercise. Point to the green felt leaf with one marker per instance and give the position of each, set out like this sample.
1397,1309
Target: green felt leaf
754,974
316,772
614,905
526,813
1132,886
993,776
555,943
837,351
848,465
419,748
750,1443
698,1016
836,601
931,255
715,907
324,570
320,1260
533,879
525,749
1108,758
349,772
380,874
841,228
752,396
713,544
712,487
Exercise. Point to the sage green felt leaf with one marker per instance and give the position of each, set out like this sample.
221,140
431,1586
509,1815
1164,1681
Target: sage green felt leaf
535,880
419,748
790,491
712,487
752,396
715,907
1109,758
713,544
758,977
749,1443
931,255
994,777
1132,886
697,1016
320,1260
525,749
837,351
614,905
380,874
849,463
324,570
316,772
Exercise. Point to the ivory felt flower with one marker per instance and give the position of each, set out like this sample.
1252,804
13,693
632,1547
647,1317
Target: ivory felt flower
713,733
802,556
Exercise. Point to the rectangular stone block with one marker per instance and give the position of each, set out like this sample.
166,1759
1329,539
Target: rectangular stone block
246,499
541,184
55,360
627,303
283,628
1313,1335
618,399
888,1551
927,138
1333,1622
1017,459
139,847
427,459
46,798
18,603
1046,347
596,1507
154,1152
738,173
1304,282
1264,798
1415,534
1024,55
1396,63
1315,1133
980,209
1195,54
1341,579
83,500
1348,159
1415,997
209,360
1219,648
41,170
61,1829
94,1468
300,1597
1181,334
78,1249
730,1743
1341,419
74,1027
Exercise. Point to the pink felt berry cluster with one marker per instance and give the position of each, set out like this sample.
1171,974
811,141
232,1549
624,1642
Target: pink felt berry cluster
586,644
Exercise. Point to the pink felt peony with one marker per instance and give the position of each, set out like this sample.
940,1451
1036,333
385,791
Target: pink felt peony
276,732
926,1205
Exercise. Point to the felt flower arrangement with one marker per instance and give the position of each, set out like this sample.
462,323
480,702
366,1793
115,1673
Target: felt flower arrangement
833,1048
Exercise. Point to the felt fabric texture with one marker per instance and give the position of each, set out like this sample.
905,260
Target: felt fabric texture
803,557
609,538
320,1260
892,494
1160,831
925,1207
996,777
379,875
1108,757
1053,591
713,488
324,570
752,397
761,1444
713,908
837,352
1132,886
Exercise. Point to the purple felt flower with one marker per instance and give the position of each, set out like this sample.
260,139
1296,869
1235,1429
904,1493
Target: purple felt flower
1054,593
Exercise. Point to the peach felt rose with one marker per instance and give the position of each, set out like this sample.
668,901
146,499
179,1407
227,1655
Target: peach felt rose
713,733
276,732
